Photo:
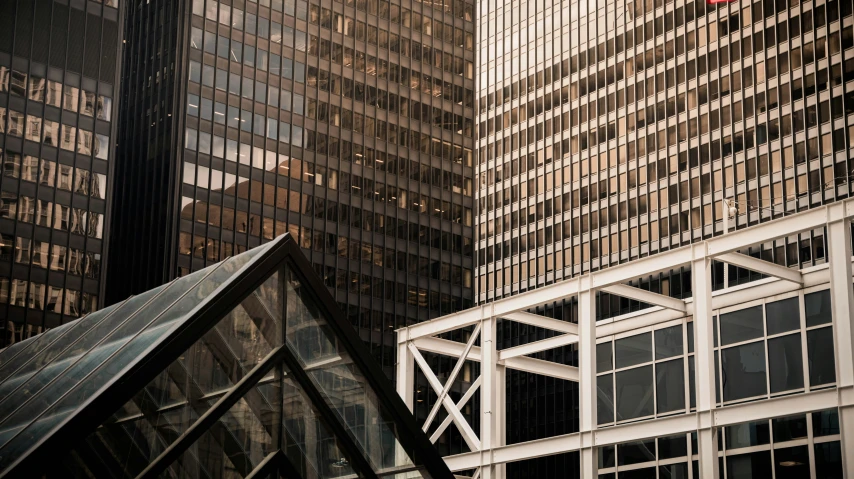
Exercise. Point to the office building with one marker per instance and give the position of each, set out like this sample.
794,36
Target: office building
347,124
59,65
610,131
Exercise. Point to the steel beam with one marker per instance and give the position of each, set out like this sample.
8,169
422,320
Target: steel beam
462,402
543,322
537,346
761,266
701,285
587,390
648,297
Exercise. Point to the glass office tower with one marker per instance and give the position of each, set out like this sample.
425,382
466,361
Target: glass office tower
347,124
58,91
610,131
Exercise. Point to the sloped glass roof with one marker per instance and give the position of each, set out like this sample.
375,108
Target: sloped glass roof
244,369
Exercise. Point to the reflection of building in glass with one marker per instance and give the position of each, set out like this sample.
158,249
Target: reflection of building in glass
348,125
609,131
58,79
243,369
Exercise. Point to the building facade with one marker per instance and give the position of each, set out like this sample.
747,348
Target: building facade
609,131
349,125
59,65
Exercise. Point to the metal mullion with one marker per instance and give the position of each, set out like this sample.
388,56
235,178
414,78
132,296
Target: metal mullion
325,410
207,420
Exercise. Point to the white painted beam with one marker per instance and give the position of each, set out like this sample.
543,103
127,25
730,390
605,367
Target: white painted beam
465,429
648,297
541,367
761,266
537,346
462,402
450,381
543,322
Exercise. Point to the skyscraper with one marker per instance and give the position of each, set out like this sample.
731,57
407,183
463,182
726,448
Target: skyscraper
58,90
609,131
347,124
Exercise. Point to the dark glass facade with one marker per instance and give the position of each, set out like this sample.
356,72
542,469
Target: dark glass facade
347,124
609,131
58,91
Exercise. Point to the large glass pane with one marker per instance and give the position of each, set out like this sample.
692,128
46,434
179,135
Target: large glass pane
636,452
786,363
342,384
743,371
603,357
672,447
50,363
792,462
670,386
789,428
308,442
825,423
106,361
635,393
668,342
782,316
673,471
828,460
821,356
633,350
605,399
755,465
643,473
14,356
817,307
742,325
747,434
235,444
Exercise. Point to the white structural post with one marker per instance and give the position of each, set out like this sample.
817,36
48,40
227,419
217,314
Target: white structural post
489,418
704,362
842,301
587,389
405,383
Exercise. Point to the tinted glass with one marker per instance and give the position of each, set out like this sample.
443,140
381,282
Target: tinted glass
672,446
821,356
828,460
604,361
668,342
743,371
783,315
747,434
756,465
741,325
825,423
817,308
636,452
673,471
670,386
605,399
634,393
606,456
789,428
785,363
633,350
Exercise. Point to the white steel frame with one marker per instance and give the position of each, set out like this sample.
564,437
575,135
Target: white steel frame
489,451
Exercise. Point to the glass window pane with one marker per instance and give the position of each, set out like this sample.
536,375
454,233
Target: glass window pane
756,465
633,350
668,342
820,355
634,393
747,434
603,357
817,307
789,428
786,363
743,371
828,460
606,457
792,462
670,386
605,399
636,452
672,471
825,423
741,325
333,373
783,315
672,446
644,473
